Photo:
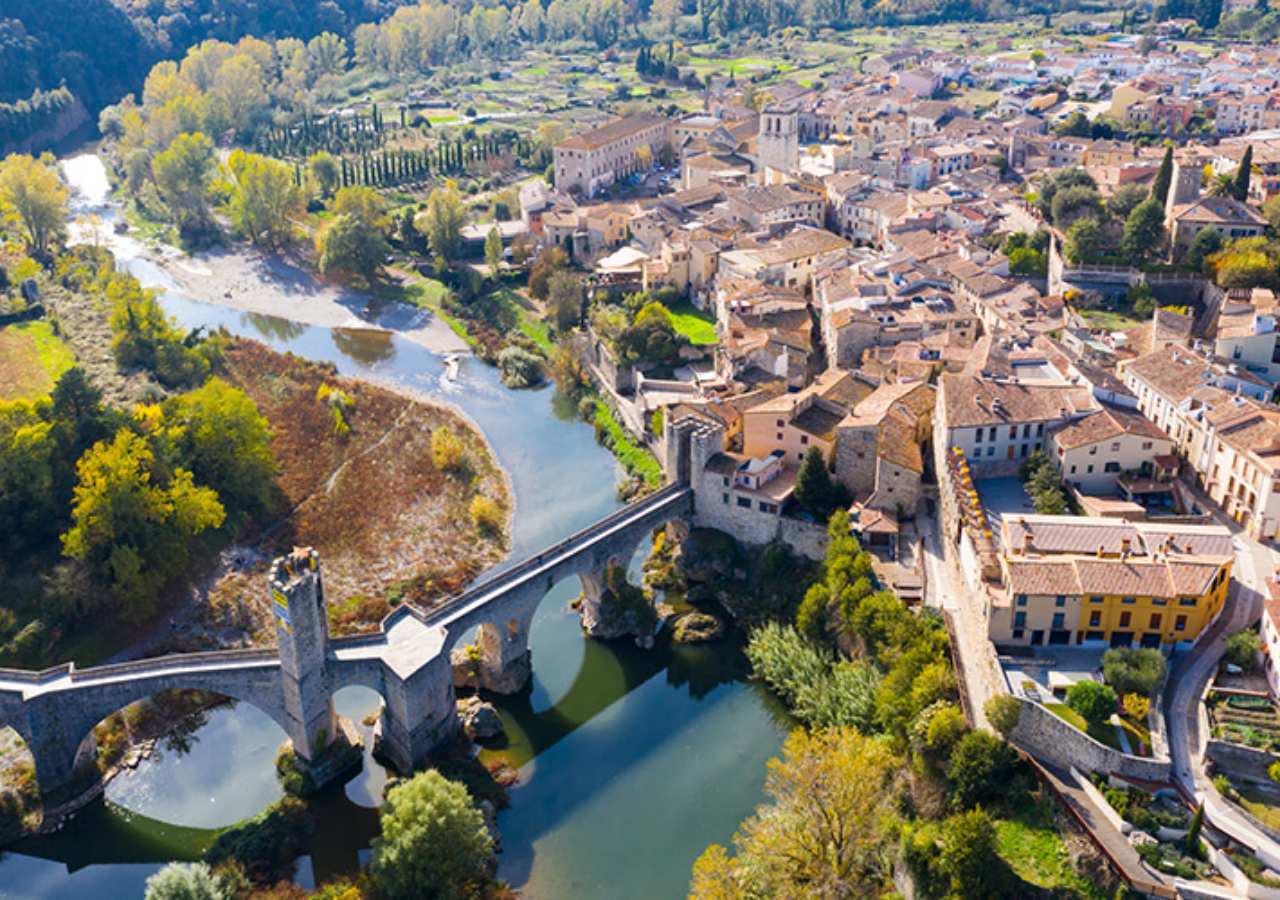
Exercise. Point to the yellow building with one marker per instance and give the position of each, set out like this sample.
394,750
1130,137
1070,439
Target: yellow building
1107,583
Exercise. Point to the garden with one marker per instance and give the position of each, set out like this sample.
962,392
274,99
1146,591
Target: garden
1244,719
1116,712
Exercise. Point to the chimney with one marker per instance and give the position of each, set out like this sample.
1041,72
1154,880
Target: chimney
1102,550
1027,544
1124,548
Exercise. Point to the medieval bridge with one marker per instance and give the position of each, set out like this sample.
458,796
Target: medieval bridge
407,662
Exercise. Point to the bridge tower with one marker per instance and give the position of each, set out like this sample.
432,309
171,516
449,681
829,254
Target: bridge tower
302,636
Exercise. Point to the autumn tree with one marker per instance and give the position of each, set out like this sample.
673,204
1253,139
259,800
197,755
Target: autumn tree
565,299
354,240
30,188
182,174
823,831
441,222
493,252
132,518
264,199
548,261
324,172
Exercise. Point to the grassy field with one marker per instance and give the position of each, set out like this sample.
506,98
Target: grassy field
694,324
634,458
1029,842
1109,320
32,358
1261,806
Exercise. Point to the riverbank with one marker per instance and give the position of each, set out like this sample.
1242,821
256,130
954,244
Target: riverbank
253,282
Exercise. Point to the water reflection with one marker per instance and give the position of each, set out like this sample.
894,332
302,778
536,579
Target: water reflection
364,345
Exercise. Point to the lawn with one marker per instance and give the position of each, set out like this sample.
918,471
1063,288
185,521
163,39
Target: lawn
1109,320
693,323
1103,734
32,358
1028,840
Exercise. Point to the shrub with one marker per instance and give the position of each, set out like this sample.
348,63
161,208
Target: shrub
486,514
980,769
819,691
1243,648
1003,712
1095,702
267,844
185,881
519,368
447,450
1136,706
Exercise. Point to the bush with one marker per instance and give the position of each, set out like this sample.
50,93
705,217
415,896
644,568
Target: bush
486,514
980,770
1243,648
1003,712
519,368
185,881
819,691
447,450
1094,702
267,844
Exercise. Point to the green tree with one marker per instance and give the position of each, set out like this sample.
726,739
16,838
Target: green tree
131,523
1133,671
980,769
814,489
824,831
441,222
1242,649
225,441
434,842
1192,841
183,174
1085,242
1163,179
1143,232
1204,245
31,189
1003,712
324,172
1075,203
354,241
264,199
1093,701
1240,184
564,296
1123,201
548,261
186,881
969,858
493,252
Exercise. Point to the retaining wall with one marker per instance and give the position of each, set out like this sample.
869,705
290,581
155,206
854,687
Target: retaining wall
1047,737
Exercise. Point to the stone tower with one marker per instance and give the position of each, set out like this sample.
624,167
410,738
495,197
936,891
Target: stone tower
1184,184
778,142
302,636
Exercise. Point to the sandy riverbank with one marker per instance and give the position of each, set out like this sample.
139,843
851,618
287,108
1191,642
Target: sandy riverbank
270,285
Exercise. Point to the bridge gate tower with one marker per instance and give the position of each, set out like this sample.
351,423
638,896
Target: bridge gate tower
302,635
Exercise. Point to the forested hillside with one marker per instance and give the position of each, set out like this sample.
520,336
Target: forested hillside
101,50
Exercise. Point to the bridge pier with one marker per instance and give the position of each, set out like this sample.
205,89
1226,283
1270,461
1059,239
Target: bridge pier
65,754
419,714
302,638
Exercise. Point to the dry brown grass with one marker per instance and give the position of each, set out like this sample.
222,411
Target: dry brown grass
21,374
388,524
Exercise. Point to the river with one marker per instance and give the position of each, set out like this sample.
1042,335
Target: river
630,761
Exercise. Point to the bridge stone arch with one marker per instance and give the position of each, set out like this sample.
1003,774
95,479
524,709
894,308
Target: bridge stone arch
58,725
503,621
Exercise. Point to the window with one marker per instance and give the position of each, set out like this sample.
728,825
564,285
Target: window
1026,431
991,433
991,451
1040,430
1093,636
1060,600
1017,634
1180,623
725,480
744,502
779,435
1147,445
804,438
1095,599
1022,600
1095,618
1013,432
1073,470
978,437
1156,618
1111,467
1187,601
1090,469
1058,620
725,497
1159,601
1124,619
1019,619
1128,601
1093,451
1115,447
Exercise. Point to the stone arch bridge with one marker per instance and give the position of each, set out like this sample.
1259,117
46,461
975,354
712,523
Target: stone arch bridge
407,662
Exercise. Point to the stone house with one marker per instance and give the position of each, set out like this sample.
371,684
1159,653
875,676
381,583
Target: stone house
594,159
1093,452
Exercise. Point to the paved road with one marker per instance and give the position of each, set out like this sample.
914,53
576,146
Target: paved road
1190,676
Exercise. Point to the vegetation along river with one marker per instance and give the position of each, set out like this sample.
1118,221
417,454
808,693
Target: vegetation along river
631,761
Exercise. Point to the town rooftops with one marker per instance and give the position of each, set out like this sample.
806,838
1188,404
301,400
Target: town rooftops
1107,423
1217,211
971,401
1037,535
1131,577
617,130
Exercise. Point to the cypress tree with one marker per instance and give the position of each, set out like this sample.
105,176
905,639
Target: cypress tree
1240,187
1160,187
